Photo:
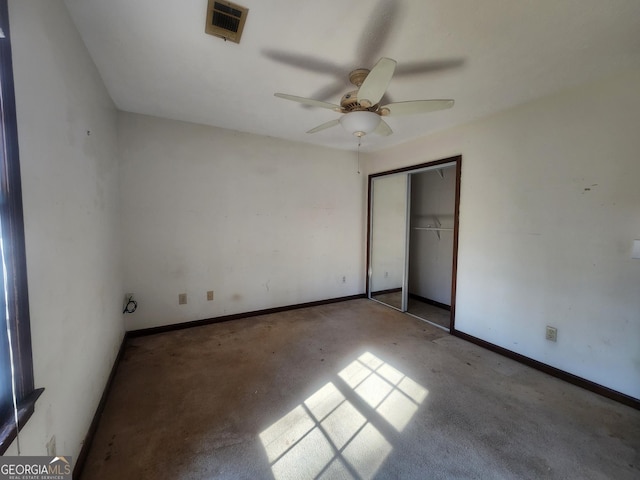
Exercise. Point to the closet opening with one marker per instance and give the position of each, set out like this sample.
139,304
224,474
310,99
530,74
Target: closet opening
413,239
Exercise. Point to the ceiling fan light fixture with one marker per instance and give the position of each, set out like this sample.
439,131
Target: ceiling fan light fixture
360,123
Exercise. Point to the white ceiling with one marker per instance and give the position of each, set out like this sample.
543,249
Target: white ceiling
155,58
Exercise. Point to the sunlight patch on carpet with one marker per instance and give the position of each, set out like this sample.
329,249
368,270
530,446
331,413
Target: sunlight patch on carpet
329,436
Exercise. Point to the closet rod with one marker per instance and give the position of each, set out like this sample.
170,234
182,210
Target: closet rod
433,228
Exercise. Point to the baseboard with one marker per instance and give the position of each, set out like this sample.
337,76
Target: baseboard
236,316
553,371
88,439
435,303
384,292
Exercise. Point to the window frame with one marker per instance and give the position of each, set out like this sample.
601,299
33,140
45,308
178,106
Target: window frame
14,245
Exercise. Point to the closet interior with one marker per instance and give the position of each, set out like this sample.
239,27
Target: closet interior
413,240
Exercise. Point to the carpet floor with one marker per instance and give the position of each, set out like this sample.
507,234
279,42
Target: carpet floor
419,308
351,390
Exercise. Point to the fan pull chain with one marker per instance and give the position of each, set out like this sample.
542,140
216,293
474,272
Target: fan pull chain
359,143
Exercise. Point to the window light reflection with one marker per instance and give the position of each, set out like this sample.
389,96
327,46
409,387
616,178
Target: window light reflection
328,436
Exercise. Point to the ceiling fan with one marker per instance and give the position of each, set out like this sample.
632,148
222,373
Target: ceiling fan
361,109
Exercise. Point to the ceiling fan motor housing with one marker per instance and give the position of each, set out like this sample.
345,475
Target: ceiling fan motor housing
349,103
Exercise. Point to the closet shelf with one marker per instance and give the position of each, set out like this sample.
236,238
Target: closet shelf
435,229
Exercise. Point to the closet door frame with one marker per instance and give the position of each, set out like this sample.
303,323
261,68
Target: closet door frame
457,160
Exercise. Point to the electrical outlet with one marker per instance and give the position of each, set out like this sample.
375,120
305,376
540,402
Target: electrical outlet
210,295
344,279
51,447
552,334
182,299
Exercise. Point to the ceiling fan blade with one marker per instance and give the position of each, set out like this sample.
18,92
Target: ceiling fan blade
383,129
376,83
306,62
336,89
417,106
432,66
309,101
324,126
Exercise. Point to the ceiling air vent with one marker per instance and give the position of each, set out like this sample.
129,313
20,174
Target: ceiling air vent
226,20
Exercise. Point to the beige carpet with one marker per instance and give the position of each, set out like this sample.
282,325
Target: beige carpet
417,307
349,390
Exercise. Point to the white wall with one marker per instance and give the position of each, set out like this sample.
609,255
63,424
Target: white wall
550,204
261,222
431,256
70,193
